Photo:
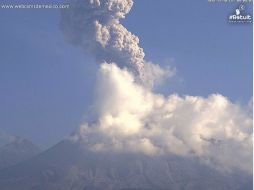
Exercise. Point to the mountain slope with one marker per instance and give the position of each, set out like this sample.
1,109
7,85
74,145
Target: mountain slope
68,166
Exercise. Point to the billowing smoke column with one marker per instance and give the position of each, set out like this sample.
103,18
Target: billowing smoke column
131,118
128,117
94,25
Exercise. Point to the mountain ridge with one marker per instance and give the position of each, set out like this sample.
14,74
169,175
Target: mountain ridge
18,150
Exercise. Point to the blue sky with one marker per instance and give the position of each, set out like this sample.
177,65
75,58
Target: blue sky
46,85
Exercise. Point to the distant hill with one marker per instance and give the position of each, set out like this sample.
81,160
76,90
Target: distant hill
16,151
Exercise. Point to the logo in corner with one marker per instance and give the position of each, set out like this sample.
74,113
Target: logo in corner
240,15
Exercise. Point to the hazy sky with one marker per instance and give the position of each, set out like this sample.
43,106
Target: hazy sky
46,85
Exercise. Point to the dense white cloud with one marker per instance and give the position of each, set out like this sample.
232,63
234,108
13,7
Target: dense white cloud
129,117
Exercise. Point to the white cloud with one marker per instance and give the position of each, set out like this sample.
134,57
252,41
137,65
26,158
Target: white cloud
131,118
154,74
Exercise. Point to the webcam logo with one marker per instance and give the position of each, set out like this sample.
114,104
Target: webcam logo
240,15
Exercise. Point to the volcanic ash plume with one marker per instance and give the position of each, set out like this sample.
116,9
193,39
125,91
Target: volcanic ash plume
95,26
128,117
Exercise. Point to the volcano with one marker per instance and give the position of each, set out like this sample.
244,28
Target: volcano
70,166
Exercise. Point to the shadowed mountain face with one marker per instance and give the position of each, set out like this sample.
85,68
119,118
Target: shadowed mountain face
16,151
68,166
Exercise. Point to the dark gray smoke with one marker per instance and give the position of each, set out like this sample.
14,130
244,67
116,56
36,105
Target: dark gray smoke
95,26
